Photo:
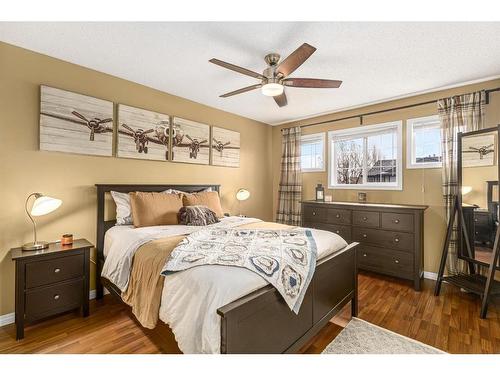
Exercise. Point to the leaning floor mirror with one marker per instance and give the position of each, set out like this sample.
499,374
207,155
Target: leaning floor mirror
476,214
478,171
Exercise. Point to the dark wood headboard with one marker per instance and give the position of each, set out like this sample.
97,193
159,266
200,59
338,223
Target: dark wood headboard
103,225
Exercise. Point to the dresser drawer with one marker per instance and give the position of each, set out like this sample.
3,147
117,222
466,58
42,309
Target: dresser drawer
366,218
393,221
54,270
338,216
53,299
396,240
313,213
343,231
391,262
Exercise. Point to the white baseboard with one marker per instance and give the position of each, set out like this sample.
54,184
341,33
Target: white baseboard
10,317
7,319
430,275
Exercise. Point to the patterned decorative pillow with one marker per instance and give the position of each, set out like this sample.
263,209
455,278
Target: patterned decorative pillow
197,215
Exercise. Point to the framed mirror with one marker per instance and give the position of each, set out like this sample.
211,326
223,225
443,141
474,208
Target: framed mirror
478,174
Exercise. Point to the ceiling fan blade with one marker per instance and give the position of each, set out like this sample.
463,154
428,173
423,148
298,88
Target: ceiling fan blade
312,83
295,59
281,100
240,91
236,68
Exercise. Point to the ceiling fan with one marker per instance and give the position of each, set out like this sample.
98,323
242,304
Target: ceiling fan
275,77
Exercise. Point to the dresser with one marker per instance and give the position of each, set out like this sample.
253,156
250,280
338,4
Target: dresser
51,281
390,235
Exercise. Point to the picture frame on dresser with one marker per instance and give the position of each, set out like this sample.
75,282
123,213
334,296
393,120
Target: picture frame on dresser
390,236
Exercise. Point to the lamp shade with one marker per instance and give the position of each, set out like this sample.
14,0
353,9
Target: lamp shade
466,190
44,205
242,195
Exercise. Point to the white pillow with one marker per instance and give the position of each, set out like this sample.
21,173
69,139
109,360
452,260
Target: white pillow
123,211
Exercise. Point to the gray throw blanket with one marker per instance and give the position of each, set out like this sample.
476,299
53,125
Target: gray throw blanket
197,215
284,258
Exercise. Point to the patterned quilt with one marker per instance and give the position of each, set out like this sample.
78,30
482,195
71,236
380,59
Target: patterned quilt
284,258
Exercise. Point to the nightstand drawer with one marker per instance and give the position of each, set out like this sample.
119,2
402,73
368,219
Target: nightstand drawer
51,271
53,299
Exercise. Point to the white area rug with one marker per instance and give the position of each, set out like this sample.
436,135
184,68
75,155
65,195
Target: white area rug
360,337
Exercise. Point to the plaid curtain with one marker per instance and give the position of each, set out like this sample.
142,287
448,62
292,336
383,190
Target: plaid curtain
461,113
290,188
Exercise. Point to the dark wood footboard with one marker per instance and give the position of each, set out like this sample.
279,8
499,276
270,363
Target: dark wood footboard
261,322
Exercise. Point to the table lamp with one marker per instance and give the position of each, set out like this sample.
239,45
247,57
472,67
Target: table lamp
242,195
41,206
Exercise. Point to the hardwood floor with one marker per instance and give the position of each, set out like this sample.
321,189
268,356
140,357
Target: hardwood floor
449,322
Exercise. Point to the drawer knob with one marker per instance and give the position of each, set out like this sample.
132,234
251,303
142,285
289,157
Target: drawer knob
396,240
365,255
364,235
365,218
396,221
337,216
314,213
396,261
56,297
57,270
337,231
475,220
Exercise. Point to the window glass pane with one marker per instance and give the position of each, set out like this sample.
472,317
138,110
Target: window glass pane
426,142
381,157
366,159
312,150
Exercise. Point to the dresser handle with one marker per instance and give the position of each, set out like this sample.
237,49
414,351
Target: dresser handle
56,297
364,235
396,221
57,270
396,240
365,255
337,231
337,216
314,213
365,218
475,220
396,261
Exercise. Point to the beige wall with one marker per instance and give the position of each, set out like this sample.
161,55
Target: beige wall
24,169
420,186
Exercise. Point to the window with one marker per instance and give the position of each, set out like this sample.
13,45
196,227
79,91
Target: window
423,142
368,157
312,152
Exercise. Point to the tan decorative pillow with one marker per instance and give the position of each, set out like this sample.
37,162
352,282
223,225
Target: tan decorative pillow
149,209
206,198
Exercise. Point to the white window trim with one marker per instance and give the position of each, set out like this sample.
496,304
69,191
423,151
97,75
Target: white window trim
323,139
410,144
362,130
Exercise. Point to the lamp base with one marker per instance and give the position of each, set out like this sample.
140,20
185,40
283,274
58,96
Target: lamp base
39,245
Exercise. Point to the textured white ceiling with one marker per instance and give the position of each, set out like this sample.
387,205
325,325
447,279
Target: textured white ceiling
376,61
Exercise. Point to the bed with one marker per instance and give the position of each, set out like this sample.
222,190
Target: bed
259,321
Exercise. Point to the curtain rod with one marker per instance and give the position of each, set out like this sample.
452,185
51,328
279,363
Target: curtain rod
389,110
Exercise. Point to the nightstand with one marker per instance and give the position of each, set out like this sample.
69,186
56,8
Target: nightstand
51,281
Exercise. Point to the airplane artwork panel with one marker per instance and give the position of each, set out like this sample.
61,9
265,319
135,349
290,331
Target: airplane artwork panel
75,123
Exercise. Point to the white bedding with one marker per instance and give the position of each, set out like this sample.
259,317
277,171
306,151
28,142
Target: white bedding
190,298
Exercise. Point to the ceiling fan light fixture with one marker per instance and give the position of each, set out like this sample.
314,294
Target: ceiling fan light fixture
272,89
